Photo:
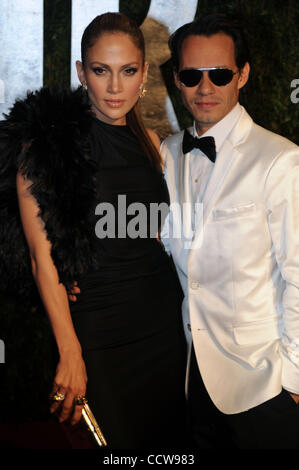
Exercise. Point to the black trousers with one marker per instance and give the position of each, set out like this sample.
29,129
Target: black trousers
271,425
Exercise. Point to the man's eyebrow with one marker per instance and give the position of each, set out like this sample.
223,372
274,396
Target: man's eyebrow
211,67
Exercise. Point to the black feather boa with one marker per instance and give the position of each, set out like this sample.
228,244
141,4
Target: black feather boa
48,136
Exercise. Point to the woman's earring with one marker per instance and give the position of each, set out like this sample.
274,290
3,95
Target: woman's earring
84,86
142,91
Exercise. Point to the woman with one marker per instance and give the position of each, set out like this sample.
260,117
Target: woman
121,343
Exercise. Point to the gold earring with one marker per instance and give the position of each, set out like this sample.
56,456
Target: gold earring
142,91
84,85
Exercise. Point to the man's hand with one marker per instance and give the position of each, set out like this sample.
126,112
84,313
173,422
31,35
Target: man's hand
295,397
75,290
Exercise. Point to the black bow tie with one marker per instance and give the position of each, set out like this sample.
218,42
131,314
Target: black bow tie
205,144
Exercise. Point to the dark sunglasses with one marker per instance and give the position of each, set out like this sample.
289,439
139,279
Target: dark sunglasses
218,76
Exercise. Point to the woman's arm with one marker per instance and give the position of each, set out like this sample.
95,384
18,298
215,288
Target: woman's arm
70,376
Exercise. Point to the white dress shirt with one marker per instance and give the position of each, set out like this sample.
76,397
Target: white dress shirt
200,166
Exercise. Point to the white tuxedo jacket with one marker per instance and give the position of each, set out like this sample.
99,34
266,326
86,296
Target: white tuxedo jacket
240,275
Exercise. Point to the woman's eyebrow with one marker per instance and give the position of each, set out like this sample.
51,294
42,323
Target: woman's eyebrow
108,66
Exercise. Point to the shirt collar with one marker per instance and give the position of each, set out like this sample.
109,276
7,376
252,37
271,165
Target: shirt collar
221,130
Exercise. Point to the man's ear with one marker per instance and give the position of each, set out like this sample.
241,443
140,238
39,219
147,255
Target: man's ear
80,71
177,81
244,75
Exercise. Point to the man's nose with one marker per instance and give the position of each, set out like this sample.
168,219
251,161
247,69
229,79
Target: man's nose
205,85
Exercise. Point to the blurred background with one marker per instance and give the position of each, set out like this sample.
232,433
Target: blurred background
272,32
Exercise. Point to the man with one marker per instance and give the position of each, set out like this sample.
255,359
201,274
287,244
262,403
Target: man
240,269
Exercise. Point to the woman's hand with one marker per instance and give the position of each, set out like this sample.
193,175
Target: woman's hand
295,397
70,380
74,291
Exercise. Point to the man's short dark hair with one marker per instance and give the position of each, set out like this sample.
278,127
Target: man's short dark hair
208,26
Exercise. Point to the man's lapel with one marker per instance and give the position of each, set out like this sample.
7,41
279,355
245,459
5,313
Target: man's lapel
225,159
228,155
184,191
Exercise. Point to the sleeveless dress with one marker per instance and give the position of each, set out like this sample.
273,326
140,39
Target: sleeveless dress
128,315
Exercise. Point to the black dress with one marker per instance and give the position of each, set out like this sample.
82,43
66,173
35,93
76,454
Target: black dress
128,315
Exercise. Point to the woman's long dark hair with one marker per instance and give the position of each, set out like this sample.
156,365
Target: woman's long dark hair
115,23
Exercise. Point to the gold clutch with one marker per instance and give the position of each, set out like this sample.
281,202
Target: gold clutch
92,423
87,415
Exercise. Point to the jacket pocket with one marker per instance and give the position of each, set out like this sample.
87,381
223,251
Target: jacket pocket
236,211
268,329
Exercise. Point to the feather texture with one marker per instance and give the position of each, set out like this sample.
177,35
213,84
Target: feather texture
47,137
